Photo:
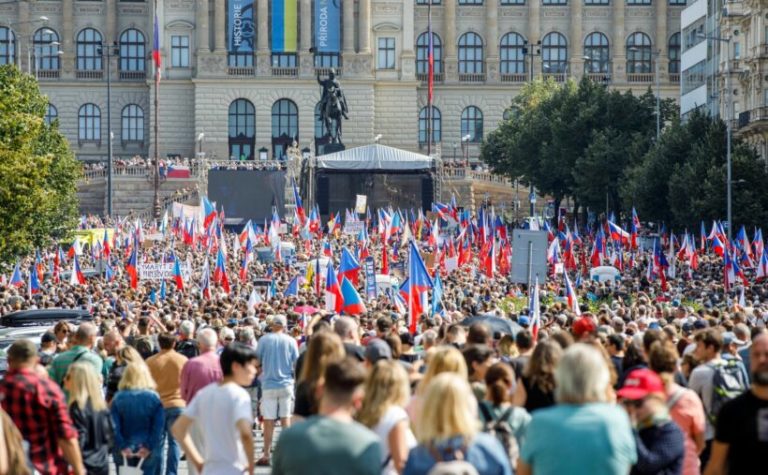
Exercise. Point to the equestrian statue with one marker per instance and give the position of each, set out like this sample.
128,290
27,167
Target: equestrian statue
333,106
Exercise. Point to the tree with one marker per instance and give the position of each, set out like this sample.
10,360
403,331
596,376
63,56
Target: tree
38,172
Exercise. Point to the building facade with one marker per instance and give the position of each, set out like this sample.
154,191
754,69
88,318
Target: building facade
241,74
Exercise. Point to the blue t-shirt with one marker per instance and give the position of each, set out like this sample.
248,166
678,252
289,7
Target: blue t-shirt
589,439
277,353
485,453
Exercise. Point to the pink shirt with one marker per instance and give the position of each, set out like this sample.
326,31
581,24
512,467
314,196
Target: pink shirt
688,414
198,373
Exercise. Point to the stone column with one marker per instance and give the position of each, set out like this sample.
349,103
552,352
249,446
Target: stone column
220,31
576,62
348,28
364,31
201,26
618,45
67,38
449,41
534,36
660,43
492,40
23,36
305,36
110,34
263,52
407,55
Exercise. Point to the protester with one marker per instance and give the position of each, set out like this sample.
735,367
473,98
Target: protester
443,359
660,446
332,442
684,405
387,390
277,354
123,357
36,405
740,440
479,358
138,418
324,348
165,368
536,387
584,430
83,343
224,410
447,430
90,417
498,416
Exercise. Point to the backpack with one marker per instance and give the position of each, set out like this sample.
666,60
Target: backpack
500,428
188,348
728,381
457,466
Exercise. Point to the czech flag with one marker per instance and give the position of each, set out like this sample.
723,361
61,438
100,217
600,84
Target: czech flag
209,212
105,244
77,277
109,273
349,267
293,288
419,283
16,279
570,294
333,298
353,304
177,278
205,281
132,267
297,198
34,281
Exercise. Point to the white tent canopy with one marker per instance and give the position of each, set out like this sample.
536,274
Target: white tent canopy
374,157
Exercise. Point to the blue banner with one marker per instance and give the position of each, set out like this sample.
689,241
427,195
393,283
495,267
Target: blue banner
328,26
241,31
370,278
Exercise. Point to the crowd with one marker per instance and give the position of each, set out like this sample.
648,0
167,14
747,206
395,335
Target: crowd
646,376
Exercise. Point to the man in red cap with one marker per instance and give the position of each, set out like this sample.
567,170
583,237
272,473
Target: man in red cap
660,444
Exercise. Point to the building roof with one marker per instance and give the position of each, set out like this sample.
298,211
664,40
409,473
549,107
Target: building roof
374,157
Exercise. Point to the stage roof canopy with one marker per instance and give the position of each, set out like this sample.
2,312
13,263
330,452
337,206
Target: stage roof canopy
374,157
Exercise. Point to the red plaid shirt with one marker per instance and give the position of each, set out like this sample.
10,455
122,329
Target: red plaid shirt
38,409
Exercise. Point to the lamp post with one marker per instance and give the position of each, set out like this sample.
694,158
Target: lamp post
465,148
532,54
728,131
108,52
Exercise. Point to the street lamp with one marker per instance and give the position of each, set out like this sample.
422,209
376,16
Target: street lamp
109,51
728,129
465,148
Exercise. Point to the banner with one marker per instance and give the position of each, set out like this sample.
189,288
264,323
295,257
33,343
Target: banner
163,271
284,26
370,278
241,31
328,26
360,203
353,228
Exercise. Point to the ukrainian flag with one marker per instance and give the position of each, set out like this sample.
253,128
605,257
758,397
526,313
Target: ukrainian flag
284,26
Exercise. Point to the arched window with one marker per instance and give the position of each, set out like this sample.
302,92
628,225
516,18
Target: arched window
52,114
7,46
512,54
639,54
597,53
436,125
88,45
471,54
673,51
554,54
132,51
133,123
242,129
89,123
46,49
422,53
285,126
472,124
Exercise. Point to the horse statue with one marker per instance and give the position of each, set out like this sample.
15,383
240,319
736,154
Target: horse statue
333,106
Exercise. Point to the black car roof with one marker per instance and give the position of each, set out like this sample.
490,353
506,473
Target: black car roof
25,318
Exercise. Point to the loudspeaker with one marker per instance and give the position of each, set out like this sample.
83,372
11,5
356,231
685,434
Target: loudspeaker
427,193
323,194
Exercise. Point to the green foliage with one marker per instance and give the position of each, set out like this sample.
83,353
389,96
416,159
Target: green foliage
38,172
574,140
682,180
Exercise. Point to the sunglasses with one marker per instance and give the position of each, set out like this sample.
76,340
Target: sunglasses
635,403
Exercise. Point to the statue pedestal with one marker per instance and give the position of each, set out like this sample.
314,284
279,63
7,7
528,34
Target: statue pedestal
332,148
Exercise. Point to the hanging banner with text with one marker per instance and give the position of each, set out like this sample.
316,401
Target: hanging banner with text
284,26
163,271
241,31
328,26
370,278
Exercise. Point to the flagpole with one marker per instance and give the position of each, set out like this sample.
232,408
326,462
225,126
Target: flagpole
156,205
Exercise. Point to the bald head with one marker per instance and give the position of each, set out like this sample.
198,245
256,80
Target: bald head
86,335
207,339
346,328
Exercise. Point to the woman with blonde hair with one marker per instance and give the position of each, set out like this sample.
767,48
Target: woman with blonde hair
139,419
443,359
447,430
123,357
383,411
90,417
325,347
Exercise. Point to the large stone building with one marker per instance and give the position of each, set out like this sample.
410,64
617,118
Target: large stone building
484,50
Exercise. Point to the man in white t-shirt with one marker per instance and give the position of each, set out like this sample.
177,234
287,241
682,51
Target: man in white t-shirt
223,412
